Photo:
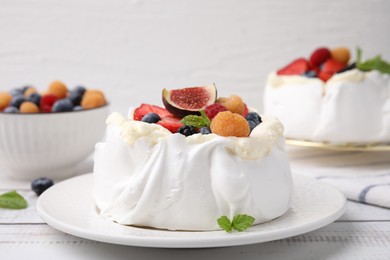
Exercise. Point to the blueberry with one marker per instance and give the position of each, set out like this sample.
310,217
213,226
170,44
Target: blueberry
17,101
151,118
78,108
23,89
62,105
35,98
75,97
252,124
205,130
41,184
11,110
253,116
310,74
16,92
187,130
346,68
79,89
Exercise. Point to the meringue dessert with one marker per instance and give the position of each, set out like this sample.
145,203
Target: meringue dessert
334,102
158,170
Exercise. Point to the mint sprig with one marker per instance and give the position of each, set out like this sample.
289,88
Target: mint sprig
12,200
196,121
240,222
376,63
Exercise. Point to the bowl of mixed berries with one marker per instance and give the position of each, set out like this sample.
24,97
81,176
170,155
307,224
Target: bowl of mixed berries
47,133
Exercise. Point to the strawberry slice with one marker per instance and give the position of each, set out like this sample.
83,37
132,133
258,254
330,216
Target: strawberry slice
319,56
171,123
245,112
297,67
142,110
330,68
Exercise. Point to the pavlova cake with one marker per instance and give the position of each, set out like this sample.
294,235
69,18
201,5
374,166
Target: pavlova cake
199,163
326,98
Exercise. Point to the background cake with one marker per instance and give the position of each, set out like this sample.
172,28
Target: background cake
330,100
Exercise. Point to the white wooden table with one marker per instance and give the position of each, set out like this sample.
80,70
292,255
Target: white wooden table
363,232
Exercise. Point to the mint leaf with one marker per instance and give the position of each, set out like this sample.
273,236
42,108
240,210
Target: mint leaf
12,200
242,222
225,223
375,63
196,121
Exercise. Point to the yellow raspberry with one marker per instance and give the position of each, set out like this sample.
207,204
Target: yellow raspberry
58,89
5,100
28,107
92,99
233,103
230,124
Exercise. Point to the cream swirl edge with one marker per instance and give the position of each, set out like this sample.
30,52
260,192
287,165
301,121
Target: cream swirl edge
256,146
353,75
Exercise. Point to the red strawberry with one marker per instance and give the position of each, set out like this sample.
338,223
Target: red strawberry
319,56
330,68
171,123
297,67
47,102
142,110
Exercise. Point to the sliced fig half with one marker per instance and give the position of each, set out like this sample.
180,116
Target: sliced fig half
186,101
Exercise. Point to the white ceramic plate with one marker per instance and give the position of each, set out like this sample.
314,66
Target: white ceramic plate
69,207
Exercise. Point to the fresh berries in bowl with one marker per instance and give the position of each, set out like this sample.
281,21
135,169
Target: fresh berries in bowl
46,133
224,116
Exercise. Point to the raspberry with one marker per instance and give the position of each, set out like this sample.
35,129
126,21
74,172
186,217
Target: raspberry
29,107
58,89
230,124
47,102
213,109
233,104
319,56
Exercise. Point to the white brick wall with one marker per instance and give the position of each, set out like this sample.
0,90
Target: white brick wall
132,49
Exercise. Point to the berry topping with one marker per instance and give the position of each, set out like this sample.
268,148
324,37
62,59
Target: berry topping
245,112
346,68
29,107
75,97
92,99
35,98
252,125
11,110
40,185
144,109
297,67
171,123
78,108
319,56
310,74
58,89
187,130
230,124
330,68
5,100
62,105
205,130
79,89
17,101
213,109
186,101
16,92
151,118
29,91
253,116
341,55
233,104
47,102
